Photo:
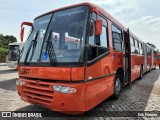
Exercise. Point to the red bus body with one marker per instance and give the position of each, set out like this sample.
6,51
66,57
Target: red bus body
94,82
158,61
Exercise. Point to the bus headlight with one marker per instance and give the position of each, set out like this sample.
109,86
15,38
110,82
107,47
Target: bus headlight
20,82
63,89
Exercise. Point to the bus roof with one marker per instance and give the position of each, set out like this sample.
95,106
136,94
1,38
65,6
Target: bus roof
101,10
16,43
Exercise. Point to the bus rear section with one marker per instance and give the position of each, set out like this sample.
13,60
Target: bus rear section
154,59
158,61
13,54
148,58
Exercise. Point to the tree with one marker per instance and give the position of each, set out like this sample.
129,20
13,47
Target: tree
4,41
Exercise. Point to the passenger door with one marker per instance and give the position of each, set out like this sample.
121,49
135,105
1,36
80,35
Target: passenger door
98,51
127,62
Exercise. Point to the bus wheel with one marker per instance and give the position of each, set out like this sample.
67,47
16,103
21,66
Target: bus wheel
117,87
141,73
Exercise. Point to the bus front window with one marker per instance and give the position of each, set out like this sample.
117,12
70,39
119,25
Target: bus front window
65,36
57,37
33,45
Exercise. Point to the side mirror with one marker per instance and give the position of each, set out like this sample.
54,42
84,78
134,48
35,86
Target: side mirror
98,27
22,29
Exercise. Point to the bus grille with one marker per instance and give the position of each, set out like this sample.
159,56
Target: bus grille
40,93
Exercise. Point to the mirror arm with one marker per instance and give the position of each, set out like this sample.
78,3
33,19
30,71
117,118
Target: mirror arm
27,23
96,11
22,29
22,34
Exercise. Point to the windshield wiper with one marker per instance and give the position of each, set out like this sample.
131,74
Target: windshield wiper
50,50
34,44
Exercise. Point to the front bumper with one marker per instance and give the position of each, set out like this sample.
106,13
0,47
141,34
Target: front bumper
41,92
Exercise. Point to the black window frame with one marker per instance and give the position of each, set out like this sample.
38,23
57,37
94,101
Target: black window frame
132,45
133,41
107,30
107,46
122,38
65,64
141,48
137,46
136,43
99,57
140,45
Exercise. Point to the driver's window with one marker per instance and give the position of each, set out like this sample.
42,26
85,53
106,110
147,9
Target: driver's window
92,31
98,45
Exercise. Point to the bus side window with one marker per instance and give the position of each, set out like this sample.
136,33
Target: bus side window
117,38
140,48
103,37
91,35
136,47
132,45
98,45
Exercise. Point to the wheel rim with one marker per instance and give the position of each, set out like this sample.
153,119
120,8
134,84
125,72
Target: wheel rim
117,86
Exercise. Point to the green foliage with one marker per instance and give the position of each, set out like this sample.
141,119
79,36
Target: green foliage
4,41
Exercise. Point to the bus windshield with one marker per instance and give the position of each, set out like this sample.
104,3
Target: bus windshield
13,52
57,37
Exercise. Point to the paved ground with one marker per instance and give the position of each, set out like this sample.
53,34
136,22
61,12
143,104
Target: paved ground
143,96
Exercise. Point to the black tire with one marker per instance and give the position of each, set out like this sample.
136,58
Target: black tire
117,87
141,73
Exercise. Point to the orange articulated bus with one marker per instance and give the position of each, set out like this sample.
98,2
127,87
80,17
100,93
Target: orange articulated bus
76,57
